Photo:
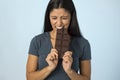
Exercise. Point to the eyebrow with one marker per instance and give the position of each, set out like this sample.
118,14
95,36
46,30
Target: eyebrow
61,16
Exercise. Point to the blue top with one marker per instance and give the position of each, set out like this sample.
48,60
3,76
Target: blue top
41,46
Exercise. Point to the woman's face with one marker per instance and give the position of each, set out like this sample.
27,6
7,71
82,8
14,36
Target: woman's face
59,18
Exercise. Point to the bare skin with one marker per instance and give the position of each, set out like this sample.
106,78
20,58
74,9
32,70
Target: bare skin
58,18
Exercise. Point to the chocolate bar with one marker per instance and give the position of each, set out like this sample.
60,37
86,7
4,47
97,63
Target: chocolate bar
62,41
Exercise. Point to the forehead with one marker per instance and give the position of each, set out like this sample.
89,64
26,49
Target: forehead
59,11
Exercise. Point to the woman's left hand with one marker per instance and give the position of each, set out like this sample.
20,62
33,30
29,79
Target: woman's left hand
67,61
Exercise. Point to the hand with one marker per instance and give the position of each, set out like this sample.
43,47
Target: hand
52,59
67,61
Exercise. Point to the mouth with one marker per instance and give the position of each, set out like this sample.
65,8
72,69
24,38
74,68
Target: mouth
59,27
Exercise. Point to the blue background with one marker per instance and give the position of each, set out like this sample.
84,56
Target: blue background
21,20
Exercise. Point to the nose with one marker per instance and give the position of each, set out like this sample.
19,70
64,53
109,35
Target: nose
59,22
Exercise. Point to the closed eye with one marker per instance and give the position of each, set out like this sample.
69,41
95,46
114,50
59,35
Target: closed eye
64,17
54,18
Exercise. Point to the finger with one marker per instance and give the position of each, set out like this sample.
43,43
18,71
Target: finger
49,57
54,50
55,53
67,58
68,53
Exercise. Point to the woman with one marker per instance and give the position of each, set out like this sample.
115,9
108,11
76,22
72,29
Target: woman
43,62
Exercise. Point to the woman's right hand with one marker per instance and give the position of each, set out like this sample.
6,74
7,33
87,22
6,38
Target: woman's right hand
52,59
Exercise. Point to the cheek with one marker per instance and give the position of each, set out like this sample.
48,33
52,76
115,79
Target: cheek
52,22
66,23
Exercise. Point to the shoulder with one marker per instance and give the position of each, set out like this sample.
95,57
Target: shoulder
80,41
41,36
83,48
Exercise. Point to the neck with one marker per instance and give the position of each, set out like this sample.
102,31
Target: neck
53,34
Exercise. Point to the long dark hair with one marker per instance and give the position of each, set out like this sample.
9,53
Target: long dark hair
68,5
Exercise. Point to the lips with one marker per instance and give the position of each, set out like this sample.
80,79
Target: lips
59,27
